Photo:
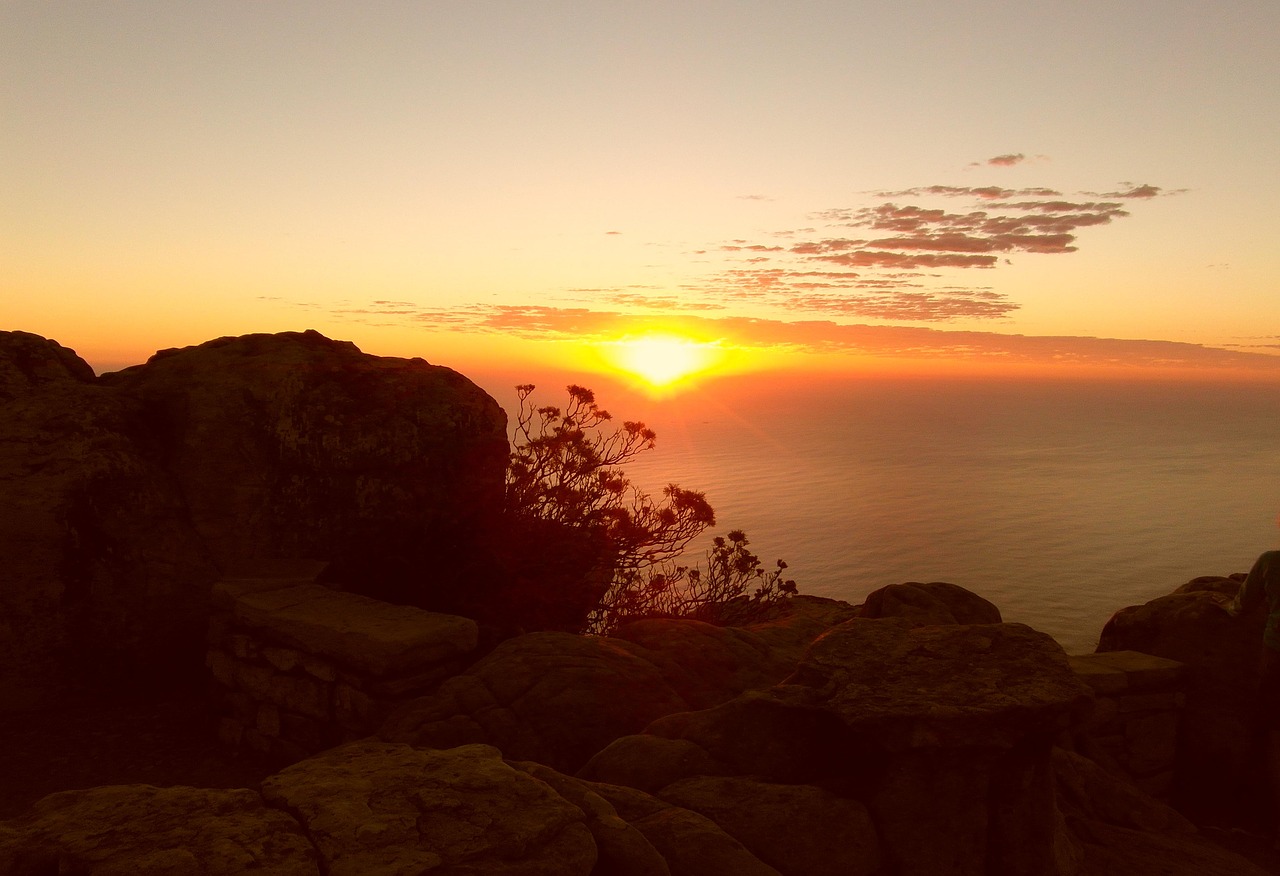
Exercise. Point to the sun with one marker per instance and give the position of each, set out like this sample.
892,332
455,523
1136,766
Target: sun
661,360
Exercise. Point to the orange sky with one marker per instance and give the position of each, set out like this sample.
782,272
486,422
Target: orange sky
847,187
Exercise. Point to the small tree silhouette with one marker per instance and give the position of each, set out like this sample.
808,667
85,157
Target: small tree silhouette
564,470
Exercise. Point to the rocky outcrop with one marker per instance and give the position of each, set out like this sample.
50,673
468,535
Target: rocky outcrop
876,712
298,668
1219,775
557,699
891,749
128,495
929,604
376,808
155,831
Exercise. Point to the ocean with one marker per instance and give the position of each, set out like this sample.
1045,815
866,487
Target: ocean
1059,501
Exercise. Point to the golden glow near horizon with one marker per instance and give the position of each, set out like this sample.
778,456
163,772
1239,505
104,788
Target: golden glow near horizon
661,361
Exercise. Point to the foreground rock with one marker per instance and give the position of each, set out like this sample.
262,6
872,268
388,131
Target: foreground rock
557,699
1219,775
150,831
375,808
893,748
876,713
127,496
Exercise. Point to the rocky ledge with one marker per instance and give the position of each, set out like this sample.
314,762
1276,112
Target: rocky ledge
913,735
886,739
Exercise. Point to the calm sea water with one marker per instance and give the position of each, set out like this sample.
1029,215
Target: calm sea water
1060,502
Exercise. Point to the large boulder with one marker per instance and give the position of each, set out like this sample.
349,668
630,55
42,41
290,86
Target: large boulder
148,831
128,495
1109,828
101,564
557,699
929,604
940,734
1218,774
295,445
375,807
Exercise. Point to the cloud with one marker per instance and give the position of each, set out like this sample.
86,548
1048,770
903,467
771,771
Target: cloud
544,322
1008,160
986,192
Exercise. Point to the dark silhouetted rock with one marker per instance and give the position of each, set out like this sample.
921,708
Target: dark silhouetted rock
127,496
926,604
692,844
942,733
101,565
553,698
376,807
1115,830
558,699
139,829
799,830
622,849
295,445
1218,778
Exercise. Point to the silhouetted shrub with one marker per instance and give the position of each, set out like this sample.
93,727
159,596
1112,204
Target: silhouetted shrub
564,473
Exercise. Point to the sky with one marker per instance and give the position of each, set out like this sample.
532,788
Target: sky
855,186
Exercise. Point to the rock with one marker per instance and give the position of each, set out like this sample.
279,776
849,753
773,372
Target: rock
942,733
102,568
558,699
799,830
1218,777
650,763
295,445
692,844
926,604
30,363
1087,790
128,495
622,849
359,632
376,807
148,831
549,697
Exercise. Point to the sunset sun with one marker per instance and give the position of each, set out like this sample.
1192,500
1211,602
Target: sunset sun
661,360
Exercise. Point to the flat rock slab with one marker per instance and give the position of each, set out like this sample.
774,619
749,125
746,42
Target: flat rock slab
376,807
980,684
147,831
356,631
1114,672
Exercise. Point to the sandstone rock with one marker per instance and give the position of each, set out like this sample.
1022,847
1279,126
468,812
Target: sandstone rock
101,567
548,697
147,831
943,733
650,763
294,445
1218,779
1085,789
926,604
799,830
623,850
990,684
357,631
29,363
558,699
707,664
692,844
128,495
375,807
